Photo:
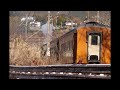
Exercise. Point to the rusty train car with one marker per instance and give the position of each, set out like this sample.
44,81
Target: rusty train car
87,44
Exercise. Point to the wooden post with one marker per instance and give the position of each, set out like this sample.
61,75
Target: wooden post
88,16
26,26
98,16
48,36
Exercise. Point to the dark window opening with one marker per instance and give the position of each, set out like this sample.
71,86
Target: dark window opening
94,40
57,45
93,57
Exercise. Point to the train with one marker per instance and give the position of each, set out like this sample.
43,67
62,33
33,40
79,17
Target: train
90,43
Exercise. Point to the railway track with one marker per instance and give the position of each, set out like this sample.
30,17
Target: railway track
67,71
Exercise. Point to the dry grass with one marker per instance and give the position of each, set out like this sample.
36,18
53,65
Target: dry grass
22,53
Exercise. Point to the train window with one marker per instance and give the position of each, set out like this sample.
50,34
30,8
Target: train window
68,45
71,45
93,57
63,47
94,40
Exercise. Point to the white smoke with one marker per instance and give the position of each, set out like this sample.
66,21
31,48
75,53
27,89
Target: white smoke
44,29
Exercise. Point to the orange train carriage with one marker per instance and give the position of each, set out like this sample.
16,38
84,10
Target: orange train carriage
89,43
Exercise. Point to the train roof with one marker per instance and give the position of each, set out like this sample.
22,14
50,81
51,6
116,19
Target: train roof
87,24
93,24
83,25
71,31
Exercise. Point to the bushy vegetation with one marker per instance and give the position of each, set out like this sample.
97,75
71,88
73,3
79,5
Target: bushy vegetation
22,53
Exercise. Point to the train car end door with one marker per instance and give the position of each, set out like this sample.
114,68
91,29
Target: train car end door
94,47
